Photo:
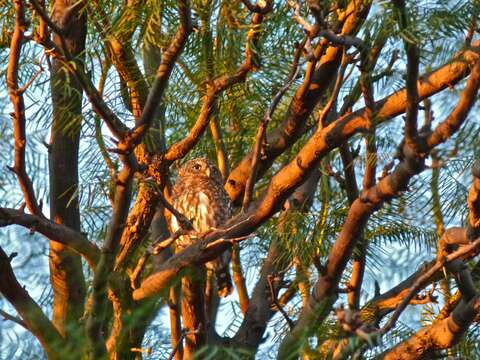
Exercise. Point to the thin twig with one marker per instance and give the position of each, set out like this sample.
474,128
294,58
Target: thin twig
16,98
260,138
32,79
322,116
15,319
183,221
290,323
184,333
474,246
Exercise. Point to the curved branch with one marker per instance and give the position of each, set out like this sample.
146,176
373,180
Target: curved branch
56,232
16,97
181,148
35,320
294,173
346,126
169,57
324,292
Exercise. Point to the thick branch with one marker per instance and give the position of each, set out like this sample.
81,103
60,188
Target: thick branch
319,76
324,292
283,183
35,320
56,232
96,318
387,108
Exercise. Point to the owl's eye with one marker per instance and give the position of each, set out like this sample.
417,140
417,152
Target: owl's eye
197,166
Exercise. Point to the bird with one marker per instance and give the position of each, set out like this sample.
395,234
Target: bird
199,195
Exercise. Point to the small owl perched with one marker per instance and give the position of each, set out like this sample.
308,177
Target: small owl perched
199,195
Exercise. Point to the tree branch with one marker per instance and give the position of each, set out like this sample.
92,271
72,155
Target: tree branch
294,173
56,232
412,51
181,148
114,124
323,294
16,98
32,315
15,319
169,57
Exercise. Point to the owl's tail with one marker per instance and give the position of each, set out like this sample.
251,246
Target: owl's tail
224,282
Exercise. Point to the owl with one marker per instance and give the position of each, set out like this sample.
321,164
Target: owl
199,195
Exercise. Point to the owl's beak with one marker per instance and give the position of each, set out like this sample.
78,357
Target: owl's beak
207,171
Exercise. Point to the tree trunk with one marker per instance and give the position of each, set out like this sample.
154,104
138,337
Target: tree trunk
65,265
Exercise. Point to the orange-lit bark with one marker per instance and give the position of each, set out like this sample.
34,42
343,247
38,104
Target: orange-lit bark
194,313
119,48
324,292
16,98
442,334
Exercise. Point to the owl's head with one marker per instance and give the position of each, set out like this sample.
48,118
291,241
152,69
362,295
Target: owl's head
200,168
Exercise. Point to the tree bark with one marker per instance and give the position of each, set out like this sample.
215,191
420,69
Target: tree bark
66,274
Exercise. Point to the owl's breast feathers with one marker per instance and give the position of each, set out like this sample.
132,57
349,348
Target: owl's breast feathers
204,202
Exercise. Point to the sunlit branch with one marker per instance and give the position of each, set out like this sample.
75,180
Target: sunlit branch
323,293
293,173
18,116
413,60
74,65
181,148
169,57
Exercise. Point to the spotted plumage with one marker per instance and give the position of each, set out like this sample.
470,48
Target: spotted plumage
199,195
